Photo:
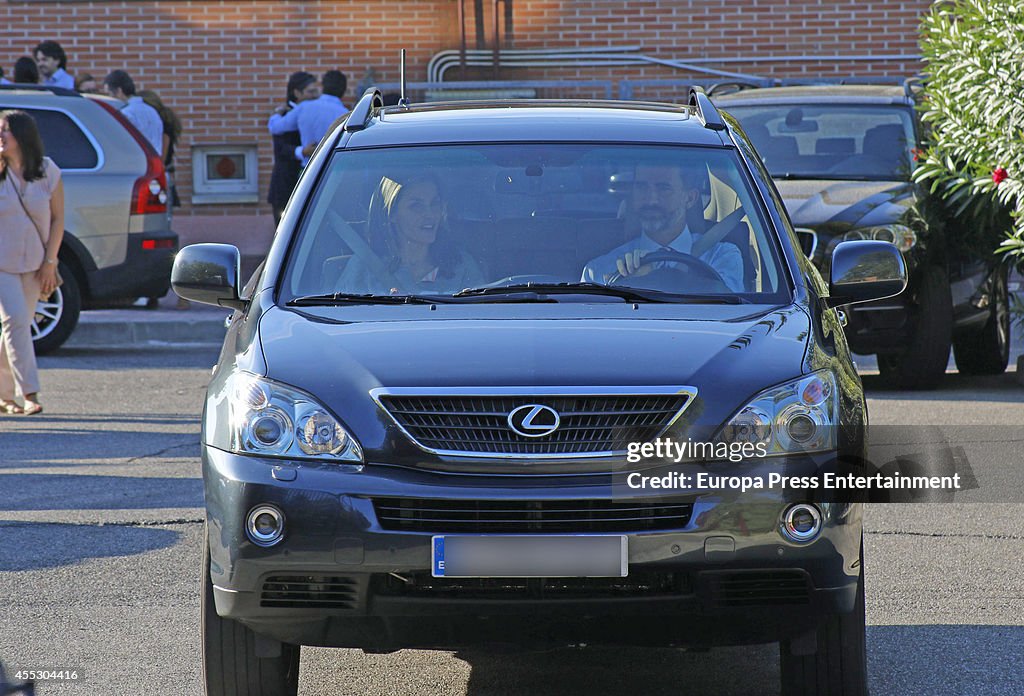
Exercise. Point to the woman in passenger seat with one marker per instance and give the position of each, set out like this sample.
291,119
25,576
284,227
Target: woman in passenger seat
407,217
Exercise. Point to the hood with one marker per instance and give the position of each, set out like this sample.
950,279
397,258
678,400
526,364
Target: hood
339,362
837,206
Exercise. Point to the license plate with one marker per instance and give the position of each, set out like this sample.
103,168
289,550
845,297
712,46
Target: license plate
529,556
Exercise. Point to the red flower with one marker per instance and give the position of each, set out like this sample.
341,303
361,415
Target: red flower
918,154
999,174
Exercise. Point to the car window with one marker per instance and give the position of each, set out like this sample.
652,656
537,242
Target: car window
833,141
439,219
65,142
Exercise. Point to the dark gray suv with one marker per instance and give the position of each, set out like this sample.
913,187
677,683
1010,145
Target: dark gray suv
450,413
842,156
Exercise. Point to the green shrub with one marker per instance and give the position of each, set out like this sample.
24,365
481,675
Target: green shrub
973,107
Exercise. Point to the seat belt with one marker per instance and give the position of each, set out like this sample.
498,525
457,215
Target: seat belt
717,232
361,249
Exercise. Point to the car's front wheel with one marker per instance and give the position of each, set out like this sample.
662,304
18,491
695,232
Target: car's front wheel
987,350
57,316
922,363
230,664
838,667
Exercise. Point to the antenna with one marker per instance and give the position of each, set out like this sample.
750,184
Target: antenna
402,100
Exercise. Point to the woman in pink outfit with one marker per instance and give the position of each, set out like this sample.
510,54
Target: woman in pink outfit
31,230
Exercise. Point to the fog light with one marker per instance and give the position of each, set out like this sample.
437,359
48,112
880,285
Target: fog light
801,522
265,525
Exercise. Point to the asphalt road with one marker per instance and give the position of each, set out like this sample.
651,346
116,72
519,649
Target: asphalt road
101,517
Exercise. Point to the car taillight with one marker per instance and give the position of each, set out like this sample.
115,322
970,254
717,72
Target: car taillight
157,244
149,194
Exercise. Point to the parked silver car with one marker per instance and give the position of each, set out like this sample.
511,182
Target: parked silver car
118,243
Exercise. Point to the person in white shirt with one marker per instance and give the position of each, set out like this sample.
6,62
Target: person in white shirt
662,198
120,85
52,61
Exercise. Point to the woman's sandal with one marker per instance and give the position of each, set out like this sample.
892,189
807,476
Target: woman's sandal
11,408
31,407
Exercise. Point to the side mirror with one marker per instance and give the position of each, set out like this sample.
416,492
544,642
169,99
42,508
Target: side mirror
865,270
209,274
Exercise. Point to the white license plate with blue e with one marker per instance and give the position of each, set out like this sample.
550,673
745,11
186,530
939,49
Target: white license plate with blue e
570,556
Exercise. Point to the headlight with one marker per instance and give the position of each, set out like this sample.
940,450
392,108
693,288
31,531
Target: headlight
902,236
798,416
271,419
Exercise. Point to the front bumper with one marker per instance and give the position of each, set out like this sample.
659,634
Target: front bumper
726,576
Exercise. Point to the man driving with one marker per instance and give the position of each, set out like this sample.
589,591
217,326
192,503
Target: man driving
663,199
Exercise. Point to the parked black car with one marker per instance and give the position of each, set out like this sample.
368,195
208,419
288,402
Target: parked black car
427,425
841,156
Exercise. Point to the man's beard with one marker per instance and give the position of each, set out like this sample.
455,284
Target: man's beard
652,219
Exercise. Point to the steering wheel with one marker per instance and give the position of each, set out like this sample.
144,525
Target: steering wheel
698,275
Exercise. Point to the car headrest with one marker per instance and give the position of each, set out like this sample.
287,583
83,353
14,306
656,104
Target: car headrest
885,140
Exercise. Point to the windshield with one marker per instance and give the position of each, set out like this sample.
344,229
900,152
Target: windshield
545,222
833,141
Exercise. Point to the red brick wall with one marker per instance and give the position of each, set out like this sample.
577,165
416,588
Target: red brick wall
222,64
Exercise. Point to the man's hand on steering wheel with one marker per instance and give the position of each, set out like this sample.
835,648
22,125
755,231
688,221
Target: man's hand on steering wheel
698,274
631,264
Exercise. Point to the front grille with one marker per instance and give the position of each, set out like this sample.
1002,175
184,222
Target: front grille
760,588
515,516
308,592
636,584
473,425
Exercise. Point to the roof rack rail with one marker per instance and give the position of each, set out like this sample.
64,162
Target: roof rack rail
362,112
705,109
733,86
912,84
59,91
869,80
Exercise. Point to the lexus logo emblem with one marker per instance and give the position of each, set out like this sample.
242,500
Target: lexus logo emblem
533,420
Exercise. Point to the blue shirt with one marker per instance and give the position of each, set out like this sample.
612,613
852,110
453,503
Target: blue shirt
724,258
311,118
147,120
60,78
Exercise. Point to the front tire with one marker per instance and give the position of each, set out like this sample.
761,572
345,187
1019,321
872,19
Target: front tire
839,665
923,363
230,664
987,351
56,317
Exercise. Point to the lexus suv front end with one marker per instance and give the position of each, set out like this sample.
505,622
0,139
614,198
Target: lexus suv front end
448,413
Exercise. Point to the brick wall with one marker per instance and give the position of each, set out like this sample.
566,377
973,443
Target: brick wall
222,64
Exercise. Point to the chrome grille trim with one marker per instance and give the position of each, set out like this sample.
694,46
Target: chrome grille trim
429,435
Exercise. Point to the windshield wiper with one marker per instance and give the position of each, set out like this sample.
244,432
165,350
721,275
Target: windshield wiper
341,298
346,298
790,176
629,294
